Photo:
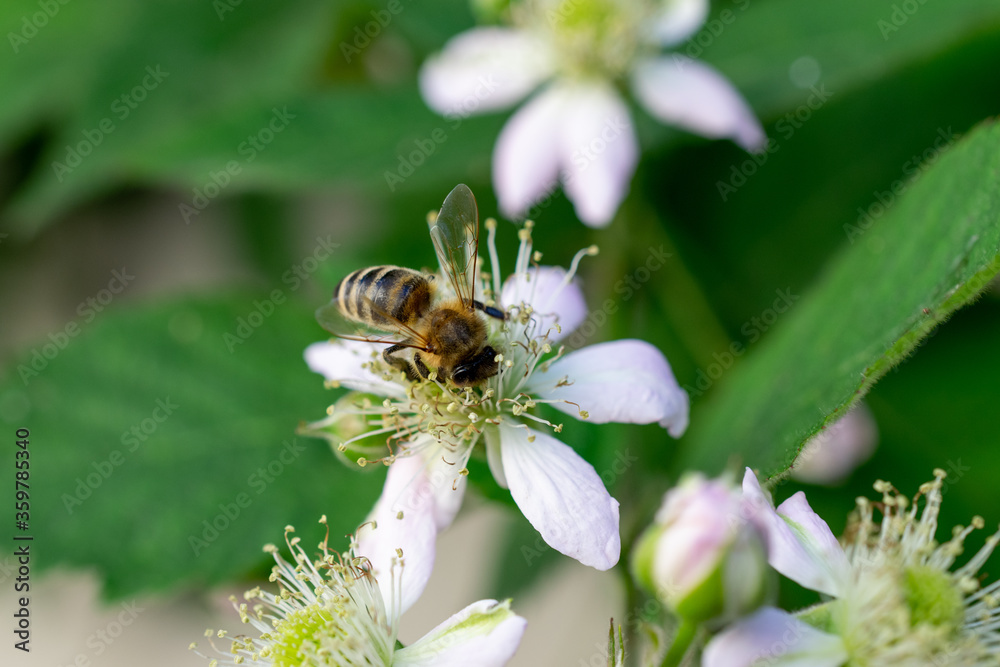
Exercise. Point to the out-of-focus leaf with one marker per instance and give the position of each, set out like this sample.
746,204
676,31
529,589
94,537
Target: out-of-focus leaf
162,443
849,43
933,252
228,74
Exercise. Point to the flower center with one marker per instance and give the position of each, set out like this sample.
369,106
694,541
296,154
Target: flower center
297,636
592,37
932,597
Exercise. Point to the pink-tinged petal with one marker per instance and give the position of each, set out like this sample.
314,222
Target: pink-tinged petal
627,381
526,155
599,151
685,92
832,455
484,634
346,361
800,544
484,69
774,638
552,299
678,20
698,529
561,496
407,516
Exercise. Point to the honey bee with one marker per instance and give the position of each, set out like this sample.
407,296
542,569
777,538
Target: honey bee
447,335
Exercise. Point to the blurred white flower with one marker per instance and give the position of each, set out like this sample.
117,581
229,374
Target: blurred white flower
896,600
701,557
829,457
433,427
577,128
332,612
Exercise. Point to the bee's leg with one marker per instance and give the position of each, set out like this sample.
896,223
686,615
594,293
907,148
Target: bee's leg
421,367
399,363
489,310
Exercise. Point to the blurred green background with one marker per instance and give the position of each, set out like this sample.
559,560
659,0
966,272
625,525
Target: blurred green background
230,157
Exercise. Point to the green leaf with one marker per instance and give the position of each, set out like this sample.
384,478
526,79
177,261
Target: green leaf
162,442
851,42
933,252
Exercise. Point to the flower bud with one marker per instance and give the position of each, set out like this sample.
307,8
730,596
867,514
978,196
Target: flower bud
346,428
701,557
831,455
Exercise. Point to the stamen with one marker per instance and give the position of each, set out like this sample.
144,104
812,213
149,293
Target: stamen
491,244
574,265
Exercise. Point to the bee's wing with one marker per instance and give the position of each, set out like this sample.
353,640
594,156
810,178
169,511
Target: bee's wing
333,320
455,234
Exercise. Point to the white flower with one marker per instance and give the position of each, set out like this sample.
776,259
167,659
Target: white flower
432,427
331,612
896,600
702,557
577,128
832,455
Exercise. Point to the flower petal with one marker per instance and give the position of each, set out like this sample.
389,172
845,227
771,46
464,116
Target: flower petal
484,69
484,634
417,501
552,300
832,455
494,456
345,361
775,638
599,151
561,496
626,381
800,544
685,92
526,155
678,20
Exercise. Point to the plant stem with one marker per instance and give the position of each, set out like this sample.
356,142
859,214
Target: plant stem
682,641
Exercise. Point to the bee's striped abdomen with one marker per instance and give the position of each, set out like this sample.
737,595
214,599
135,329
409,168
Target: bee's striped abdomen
402,293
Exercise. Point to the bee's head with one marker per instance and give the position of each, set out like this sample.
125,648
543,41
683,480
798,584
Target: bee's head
476,368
